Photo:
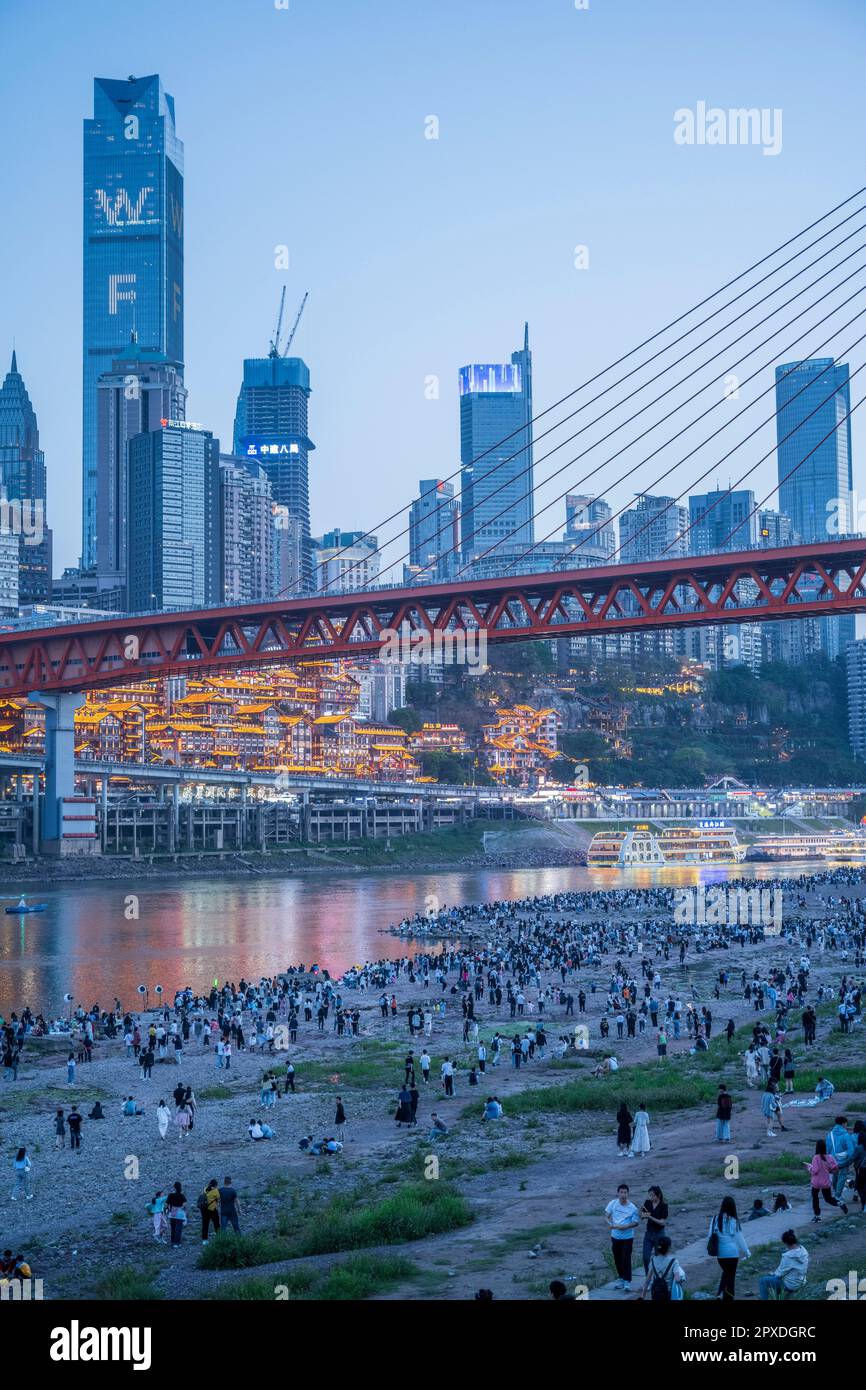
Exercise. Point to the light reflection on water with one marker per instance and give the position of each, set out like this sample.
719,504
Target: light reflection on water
192,932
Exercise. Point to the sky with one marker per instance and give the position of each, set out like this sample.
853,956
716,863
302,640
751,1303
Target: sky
306,127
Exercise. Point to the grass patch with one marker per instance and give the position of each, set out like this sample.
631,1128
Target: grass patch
361,1277
215,1093
348,1222
130,1283
785,1167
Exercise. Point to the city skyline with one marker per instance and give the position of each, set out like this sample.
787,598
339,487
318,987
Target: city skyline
370,275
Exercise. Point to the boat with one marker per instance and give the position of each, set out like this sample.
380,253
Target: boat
21,908
646,847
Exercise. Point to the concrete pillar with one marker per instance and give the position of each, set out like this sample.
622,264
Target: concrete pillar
60,707
103,790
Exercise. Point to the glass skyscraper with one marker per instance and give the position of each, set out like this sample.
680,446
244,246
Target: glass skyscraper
173,534
496,422
22,484
817,495
133,245
271,428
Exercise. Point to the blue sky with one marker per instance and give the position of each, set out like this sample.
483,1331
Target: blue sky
306,127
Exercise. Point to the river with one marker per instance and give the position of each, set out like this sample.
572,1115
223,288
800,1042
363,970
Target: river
104,938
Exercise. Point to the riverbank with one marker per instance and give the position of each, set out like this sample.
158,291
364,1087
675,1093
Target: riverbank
515,1203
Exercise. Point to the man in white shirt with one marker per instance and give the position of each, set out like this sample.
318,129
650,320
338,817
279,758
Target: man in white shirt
623,1218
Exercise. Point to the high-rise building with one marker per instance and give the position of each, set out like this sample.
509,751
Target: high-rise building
271,429
23,489
133,246
9,574
345,561
722,520
774,530
496,454
855,663
589,528
246,532
653,529
172,543
816,479
433,537
142,390
812,401
289,551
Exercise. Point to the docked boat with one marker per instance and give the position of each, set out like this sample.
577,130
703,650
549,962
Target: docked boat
647,847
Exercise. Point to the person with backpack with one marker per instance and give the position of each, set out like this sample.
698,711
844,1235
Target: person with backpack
665,1274
724,1108
176,1212
728,1244
208,1203
841,1144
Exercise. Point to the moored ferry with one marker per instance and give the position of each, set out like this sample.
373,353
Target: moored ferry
646,847
845,846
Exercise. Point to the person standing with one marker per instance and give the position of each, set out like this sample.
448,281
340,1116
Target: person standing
728,1244
771,1109
74,1122
623,1129
842,1145
821,1171
229,1206
59,1130
623,1218
788,1070
209,1206
662,1043
163,1115
340,1120
640,1143
425,1067
724,1107
22,1168
70,1069
157,1211
655,1213
176,1209
448,1076
290,1079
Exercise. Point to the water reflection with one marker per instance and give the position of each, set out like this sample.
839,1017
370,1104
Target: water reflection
90,944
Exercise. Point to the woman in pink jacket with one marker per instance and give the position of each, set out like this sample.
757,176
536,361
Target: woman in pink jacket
821,1171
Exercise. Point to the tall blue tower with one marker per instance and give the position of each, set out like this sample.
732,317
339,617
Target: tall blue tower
496,422
133,245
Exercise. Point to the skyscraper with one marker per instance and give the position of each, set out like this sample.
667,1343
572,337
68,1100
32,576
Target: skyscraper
496,454
722,520
433,536
246,527
142,389
589,528
345,561
817,495
653,529
133,245
173,533
271,428
23,489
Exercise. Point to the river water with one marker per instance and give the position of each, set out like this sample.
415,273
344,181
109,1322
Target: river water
104,938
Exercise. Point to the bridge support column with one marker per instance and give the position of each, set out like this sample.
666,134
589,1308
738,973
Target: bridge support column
60,710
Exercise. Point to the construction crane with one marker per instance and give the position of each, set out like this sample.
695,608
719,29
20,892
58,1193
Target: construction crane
274,350
291,336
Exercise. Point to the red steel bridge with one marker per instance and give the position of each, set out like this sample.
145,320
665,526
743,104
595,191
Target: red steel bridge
748,586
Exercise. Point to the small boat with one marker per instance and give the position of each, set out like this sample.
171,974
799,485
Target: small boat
26,907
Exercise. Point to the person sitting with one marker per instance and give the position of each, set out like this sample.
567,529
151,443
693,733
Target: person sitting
824,1088
332,1146
97,1112
758,1210
781,1203
790,1273
492,1109
131,1108
438,1129
305,1143
255,1130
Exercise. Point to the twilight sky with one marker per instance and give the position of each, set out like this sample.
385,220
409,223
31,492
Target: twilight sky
306,127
